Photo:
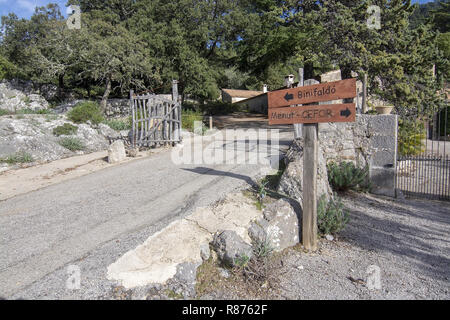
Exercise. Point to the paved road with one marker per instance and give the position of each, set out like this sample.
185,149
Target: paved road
43,231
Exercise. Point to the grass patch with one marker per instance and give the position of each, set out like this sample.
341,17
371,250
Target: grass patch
86,111
67,129
18,157
188,118
173,295
4,112
73,144
118,125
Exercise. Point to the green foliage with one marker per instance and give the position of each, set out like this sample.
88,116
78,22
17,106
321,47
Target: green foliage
346,176
19,157
7,69
262,249
331,216
411,134
118,125
188,117
241,261
4,112
218,108
71,143
67,129
86,111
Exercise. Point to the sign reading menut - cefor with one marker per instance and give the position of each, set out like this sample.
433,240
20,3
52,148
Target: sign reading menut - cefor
313,114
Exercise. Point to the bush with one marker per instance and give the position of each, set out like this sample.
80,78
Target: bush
331,216
67,129
118,125
346,176
19,157
217,108
86,111
4,112
73,144
188,117
411,134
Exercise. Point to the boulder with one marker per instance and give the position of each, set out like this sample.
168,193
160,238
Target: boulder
182,285
280,226
229,246
291,182
116,152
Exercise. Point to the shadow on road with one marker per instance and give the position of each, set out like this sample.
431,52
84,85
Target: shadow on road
220,173
412,230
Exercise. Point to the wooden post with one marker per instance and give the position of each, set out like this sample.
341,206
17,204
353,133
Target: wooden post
298,126
133,128
310,160
177,111
210,123
364,94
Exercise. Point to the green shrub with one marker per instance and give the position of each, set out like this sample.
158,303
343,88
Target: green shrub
118,125
346,176
411,134
86,111
188,117
18,157
73,144
217,108
331,216
4,112
67,129
242,261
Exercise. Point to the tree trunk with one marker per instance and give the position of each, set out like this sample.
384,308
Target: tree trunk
60,85
364,95
104,101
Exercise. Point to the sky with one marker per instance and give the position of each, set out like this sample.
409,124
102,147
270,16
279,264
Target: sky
25,8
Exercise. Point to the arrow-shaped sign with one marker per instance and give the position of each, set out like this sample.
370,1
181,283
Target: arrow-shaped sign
289,97
346,113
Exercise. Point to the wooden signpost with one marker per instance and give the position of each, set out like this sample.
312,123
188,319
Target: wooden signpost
310,114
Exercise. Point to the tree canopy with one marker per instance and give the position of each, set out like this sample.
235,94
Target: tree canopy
208,45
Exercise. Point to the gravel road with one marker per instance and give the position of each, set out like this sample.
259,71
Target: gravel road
92,220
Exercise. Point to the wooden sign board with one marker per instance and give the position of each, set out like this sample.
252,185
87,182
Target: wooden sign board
313,114
316,93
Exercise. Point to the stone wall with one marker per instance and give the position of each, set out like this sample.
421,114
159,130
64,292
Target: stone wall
371,140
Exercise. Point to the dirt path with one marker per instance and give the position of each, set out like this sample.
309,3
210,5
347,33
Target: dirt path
24,180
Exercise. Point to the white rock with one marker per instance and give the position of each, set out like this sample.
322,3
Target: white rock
116,152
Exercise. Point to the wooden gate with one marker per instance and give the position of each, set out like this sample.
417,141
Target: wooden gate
156,120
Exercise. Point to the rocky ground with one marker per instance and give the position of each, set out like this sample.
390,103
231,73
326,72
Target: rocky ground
33,134
407,239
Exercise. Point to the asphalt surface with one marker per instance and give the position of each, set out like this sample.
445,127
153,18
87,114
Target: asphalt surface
92,220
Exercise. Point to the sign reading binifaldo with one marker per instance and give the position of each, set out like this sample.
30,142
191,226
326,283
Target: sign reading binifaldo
316,93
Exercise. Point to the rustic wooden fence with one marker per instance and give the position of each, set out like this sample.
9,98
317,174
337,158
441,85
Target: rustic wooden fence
155,120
